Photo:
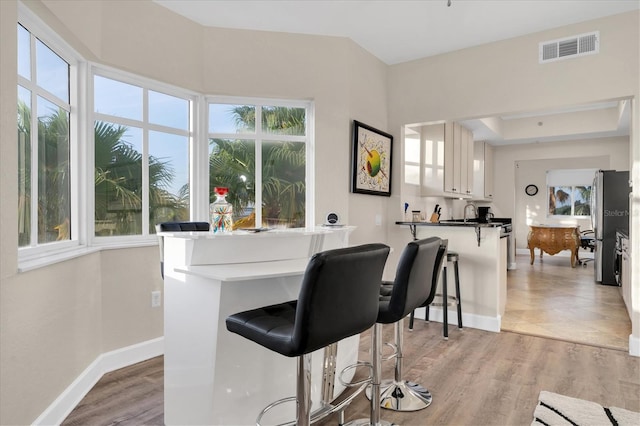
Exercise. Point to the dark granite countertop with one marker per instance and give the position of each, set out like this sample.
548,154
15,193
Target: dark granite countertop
453,223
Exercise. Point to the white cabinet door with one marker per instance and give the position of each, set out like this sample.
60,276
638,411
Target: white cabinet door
458,160
451,157
447,160
483,172
432,167
488,171
466,163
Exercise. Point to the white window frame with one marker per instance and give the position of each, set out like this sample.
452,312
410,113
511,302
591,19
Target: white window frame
37,254
191,133
259,136
82,151
570,178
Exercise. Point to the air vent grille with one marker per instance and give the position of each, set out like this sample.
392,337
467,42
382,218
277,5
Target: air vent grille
580,45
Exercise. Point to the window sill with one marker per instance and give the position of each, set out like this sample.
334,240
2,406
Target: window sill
32,263
43,260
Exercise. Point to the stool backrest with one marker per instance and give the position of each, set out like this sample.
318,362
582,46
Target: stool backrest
176,227
416,278
339,295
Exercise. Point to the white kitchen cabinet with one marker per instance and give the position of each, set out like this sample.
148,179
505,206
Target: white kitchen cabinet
483,172
458,160
625,272
447,160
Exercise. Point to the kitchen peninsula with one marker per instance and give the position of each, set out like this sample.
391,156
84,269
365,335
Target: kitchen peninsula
482,264
215,377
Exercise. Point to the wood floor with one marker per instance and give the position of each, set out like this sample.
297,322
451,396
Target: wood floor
476,377
551,299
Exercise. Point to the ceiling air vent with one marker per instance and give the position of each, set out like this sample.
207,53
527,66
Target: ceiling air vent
580,45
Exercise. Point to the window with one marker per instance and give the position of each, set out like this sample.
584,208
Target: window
569,192
141,156
259,151
44,144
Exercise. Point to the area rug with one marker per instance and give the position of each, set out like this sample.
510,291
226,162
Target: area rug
558,410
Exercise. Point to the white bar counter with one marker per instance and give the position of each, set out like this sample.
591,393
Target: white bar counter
483,272
212,376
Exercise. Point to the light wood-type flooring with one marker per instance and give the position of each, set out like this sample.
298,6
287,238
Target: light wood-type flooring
551,299
476,377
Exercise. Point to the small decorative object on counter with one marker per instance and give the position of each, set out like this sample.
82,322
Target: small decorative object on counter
435,216
415,215
221,212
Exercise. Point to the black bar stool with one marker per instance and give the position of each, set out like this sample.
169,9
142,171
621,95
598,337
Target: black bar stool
446,300
413,284
338,299
176,227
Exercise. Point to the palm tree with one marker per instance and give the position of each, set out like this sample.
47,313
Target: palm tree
557,198
118,184
583,201
53,175
232,164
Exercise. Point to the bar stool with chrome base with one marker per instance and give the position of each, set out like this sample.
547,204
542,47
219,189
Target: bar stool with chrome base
338,299
176,227
446,300
411,287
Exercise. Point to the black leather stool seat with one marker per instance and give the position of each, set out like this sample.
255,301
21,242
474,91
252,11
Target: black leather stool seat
182,226
338,299
176,227
412,285
415,282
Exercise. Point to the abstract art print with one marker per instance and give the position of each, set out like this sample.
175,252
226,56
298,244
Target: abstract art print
371,173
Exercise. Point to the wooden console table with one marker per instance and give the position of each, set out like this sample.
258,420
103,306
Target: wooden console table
554,239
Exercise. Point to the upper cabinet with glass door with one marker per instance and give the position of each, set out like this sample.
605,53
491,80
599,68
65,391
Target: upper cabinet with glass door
446,160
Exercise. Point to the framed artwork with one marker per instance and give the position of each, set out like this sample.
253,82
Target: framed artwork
371,171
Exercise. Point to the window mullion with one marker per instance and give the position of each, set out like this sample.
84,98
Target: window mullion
145,162
258,172
33,146
34,171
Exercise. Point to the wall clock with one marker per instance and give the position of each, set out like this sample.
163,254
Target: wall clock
531,190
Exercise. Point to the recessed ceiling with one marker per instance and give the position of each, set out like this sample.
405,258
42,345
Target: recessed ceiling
398,30
590,121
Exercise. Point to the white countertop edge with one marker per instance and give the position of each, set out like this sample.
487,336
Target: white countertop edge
247,271
263,234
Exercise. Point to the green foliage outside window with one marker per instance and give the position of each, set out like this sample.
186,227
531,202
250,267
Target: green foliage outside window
569,200
232,165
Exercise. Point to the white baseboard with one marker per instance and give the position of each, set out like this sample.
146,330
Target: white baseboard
480,322
634,345
106,362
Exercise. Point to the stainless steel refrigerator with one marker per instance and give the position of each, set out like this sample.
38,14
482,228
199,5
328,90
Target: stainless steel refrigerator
609,213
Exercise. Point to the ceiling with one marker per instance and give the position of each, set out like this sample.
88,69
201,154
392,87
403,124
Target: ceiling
397,31
589,121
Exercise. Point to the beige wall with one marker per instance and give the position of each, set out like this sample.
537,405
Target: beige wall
527,164
505,77
56,320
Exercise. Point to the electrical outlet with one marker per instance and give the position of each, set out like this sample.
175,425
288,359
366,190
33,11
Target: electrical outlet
156,299
378,220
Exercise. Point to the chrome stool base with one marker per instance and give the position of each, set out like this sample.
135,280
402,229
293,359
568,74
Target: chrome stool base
367,422
404,396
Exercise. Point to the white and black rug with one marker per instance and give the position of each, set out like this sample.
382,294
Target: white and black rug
559,410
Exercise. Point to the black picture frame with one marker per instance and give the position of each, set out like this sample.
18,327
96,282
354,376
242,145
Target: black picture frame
371,162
